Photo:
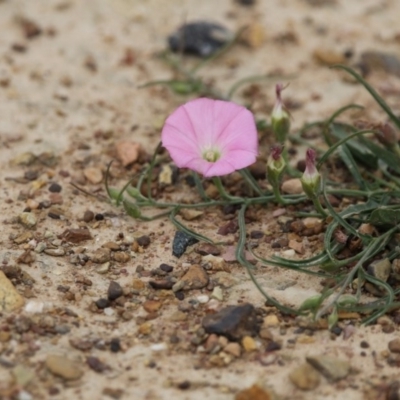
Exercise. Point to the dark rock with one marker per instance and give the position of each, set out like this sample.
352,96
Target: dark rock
99,217
55,188
143,241
54,215
114,291
166,268
165,284
364,344
256,234
181,242
247,3
102,303
95,364
230,209
180,295
273,346
199,38
234,322
88,216
115,345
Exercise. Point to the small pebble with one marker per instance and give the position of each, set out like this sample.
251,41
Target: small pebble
102,303
394,345
93,175
88,216
194,278
114,291
305,377
332,368
202,299
63,367
115,345
249,344
109,311
128,152
292,186
181,242
152,306
166,268
201,38
217,293
10,299
233,348
103,268
55,188
255,392
95,364
28,219
143,241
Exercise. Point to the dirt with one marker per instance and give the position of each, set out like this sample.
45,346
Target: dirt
70,77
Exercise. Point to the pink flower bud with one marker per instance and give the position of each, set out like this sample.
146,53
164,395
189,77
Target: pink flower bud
280,118
275,165
311,177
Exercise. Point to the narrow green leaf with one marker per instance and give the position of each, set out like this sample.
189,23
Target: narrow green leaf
372,91
385,216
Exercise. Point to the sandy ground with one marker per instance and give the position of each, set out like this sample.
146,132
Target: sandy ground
67,92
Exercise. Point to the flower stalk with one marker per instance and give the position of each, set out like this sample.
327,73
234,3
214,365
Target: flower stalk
276,166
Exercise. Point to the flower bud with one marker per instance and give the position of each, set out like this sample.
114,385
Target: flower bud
280,117
387,135
134,192
311,303
311,177
275,165
114,193
333,318
131,209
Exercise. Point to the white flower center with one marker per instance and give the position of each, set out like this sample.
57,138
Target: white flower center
211,155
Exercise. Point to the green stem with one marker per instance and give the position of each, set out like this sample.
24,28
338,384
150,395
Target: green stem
318,206
251,181
223,193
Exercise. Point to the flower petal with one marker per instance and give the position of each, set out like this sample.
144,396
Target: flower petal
204,124
182,158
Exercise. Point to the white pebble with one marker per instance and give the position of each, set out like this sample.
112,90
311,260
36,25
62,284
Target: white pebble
23,395
202,299
109,311
34,307
217,293
159,347
288,253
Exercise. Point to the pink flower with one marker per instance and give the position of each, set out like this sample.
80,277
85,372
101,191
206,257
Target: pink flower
212,137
